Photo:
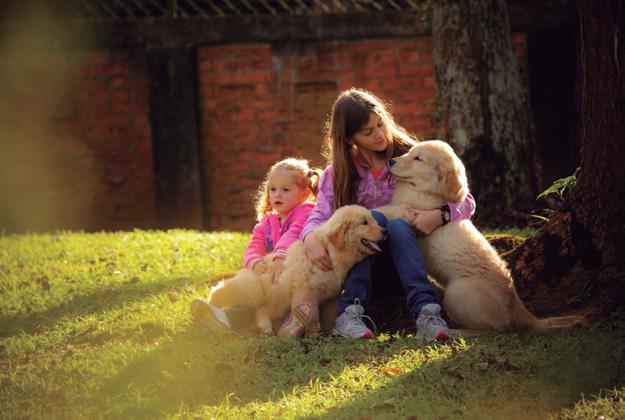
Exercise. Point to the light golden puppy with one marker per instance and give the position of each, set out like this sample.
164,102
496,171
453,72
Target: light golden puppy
479,290
349,235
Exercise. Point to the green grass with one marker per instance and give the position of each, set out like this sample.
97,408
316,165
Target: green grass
98,326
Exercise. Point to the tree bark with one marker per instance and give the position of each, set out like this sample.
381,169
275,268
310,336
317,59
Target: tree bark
483,105
578,260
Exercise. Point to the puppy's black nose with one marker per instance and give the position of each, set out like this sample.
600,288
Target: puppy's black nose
391,162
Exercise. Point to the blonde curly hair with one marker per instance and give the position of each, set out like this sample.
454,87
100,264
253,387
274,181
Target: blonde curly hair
307,177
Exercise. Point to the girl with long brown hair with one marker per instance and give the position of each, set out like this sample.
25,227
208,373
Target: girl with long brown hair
362,137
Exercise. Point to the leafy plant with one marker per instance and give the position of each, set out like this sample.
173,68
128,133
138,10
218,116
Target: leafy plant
562,186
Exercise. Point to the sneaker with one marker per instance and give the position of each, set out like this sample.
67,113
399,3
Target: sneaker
350,323
298,321
430,325
209,315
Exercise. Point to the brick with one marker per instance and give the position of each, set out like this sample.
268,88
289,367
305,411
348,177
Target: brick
119,68
120,107
389,71
121,95
243,115
118,82
115,120
372,85
347,75
251,50
236,90
419,95
402,83
205,65
258,76
415,70
418,44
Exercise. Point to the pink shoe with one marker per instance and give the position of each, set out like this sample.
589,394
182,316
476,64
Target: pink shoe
298,321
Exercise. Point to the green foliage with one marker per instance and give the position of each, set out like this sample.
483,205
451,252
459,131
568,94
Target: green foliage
98,326
562,186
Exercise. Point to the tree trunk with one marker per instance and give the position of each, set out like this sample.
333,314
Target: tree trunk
483,105
578,260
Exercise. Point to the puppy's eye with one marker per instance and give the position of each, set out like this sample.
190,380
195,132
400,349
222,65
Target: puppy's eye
365,222
417,158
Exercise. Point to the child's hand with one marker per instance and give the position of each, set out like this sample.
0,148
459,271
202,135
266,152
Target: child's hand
260,268
275,269
317,252
425,221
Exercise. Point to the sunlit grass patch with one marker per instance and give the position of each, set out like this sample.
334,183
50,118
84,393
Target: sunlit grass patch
98,325
609,404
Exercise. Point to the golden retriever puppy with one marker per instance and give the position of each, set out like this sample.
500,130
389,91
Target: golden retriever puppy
349,235
479,290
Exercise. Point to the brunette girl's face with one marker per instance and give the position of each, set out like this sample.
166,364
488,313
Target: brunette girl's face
372,137
284,192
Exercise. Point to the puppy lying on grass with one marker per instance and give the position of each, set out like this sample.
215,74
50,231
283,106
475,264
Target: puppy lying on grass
349,235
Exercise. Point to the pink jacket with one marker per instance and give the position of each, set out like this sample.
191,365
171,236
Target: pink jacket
371,193
271,236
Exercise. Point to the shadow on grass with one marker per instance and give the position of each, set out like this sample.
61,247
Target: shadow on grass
531,381
98,301
197,368
491,380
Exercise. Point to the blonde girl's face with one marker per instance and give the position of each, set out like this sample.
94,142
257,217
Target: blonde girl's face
373,136
284,192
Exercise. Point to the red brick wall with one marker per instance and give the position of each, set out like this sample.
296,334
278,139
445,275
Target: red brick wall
112,120
259,105
79,153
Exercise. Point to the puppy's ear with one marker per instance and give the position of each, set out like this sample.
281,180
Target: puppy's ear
453,184
338,235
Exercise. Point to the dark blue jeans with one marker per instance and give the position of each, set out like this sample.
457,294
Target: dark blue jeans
401,243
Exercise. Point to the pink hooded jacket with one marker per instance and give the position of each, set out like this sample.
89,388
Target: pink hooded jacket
371,193
269,235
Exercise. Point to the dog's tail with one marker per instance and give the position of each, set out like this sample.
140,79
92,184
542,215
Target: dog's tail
522,317
244,289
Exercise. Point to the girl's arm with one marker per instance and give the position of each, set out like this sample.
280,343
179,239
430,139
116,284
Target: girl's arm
463,210
315,249
325,204
256,249
427,221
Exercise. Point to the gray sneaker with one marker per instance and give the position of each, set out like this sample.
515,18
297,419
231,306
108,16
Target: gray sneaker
430,325
210,316
350,324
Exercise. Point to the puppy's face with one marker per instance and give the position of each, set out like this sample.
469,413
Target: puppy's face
432,167
354,227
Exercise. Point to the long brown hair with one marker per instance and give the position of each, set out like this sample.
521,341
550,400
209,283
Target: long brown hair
307,177
350,113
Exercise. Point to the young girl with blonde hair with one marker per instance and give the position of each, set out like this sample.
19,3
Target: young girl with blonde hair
283,203
362,137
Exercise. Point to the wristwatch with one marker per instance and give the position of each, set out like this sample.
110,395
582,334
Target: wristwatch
445,214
